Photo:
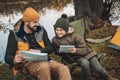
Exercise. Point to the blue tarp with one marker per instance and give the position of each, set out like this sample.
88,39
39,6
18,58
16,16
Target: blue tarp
3,44
4,33
114,46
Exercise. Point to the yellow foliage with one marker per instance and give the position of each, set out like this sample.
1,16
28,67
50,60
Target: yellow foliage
61,3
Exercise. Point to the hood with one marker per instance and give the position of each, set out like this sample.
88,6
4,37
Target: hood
70,30
19,28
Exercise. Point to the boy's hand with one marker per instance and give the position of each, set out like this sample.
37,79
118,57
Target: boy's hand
72,50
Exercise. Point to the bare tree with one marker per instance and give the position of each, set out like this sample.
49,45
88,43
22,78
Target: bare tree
97,10
93,8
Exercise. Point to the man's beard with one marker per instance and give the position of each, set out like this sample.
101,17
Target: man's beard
32,28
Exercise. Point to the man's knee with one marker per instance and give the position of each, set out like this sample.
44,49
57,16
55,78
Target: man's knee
58,67
44,66
37,67
63,68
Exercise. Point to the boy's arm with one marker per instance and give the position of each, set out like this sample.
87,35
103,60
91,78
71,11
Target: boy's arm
81,47
56,47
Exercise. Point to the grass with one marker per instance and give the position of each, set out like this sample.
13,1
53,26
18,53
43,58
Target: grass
111,61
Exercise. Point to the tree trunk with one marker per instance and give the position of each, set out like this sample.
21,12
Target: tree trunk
82,8
96,7
106,10
88,8
95,10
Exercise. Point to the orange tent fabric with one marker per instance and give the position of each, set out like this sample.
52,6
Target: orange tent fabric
116,38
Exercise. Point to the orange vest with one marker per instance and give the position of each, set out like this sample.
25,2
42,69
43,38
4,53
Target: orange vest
24,46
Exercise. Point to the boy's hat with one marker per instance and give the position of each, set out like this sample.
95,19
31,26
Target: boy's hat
62,23
30,14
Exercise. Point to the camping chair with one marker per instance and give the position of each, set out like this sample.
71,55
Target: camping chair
81,26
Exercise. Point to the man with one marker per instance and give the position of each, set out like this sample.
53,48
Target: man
31,36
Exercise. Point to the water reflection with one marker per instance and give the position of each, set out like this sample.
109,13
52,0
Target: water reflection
47,19
8,7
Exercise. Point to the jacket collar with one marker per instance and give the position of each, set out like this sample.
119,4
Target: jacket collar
20,31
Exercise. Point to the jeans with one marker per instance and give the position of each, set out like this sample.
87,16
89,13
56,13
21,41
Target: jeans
94,64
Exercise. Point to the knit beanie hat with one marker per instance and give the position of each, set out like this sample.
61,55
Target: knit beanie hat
30,14
62,23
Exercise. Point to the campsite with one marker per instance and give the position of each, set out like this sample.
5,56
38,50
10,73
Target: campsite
98,35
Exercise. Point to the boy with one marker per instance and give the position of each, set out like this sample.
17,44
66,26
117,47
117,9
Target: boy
65,35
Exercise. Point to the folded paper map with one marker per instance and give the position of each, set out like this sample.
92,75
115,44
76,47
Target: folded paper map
33,56
64,48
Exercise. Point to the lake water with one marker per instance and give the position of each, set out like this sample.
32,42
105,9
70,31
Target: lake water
47,19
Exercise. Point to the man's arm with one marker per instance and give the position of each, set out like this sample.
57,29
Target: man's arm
48,46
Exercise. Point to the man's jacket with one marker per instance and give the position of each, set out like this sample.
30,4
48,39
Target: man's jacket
17,41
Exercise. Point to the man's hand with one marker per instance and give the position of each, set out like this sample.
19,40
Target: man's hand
18,58
35,50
